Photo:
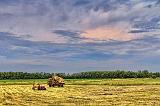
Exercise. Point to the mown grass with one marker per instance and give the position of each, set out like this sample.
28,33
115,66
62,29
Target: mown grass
82,92
78,95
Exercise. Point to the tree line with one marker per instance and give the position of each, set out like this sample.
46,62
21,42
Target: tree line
81,75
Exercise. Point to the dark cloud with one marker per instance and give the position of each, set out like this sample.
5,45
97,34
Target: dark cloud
137,31
82,2
68,33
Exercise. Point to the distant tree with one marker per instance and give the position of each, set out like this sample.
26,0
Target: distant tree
93,74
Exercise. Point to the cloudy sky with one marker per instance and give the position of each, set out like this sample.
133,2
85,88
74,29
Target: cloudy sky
79,35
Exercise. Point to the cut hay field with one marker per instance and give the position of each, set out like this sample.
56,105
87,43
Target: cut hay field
77,92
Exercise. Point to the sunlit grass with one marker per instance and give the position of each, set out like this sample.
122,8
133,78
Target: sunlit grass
121,92
115,82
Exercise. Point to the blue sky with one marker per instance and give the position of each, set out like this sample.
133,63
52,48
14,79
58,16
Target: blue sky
79,35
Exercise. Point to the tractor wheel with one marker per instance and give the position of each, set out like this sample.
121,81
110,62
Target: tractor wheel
53,85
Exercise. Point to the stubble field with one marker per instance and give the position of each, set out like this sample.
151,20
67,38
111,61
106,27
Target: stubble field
109,92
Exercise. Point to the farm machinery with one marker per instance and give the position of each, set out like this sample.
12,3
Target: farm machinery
56,81
38,87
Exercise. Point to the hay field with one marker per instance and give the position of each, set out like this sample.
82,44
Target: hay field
83,92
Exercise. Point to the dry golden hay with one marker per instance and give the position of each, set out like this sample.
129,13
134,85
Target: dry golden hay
57,79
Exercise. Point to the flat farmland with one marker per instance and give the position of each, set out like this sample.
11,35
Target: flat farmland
108,92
